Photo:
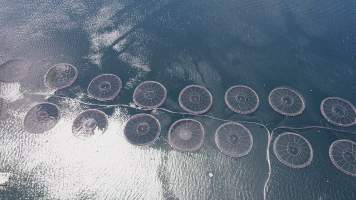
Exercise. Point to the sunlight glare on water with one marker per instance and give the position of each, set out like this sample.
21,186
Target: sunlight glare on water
293,63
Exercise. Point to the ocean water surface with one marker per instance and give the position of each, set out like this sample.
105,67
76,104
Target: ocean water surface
306,45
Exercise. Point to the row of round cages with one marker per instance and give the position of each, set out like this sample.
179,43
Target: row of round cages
194,99
187,135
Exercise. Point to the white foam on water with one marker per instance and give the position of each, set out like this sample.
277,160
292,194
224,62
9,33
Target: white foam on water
4,178
100,39
10,91
135,61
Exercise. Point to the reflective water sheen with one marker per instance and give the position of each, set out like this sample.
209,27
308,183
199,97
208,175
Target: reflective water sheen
264,44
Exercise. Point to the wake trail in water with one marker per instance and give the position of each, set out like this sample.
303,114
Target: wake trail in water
265,187
311,127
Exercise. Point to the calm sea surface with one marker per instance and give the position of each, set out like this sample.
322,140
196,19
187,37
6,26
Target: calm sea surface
308,45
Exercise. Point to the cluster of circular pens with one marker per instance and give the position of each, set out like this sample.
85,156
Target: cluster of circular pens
187,135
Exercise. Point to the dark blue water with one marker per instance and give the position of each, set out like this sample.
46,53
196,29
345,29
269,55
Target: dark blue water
306,45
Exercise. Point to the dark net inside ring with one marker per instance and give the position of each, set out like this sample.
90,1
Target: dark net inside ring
150,94
195,99
293,150
186,135
105,87
233,139
242,99
338,111
342,154
142,129
286,101
61,75
41,118
89,123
